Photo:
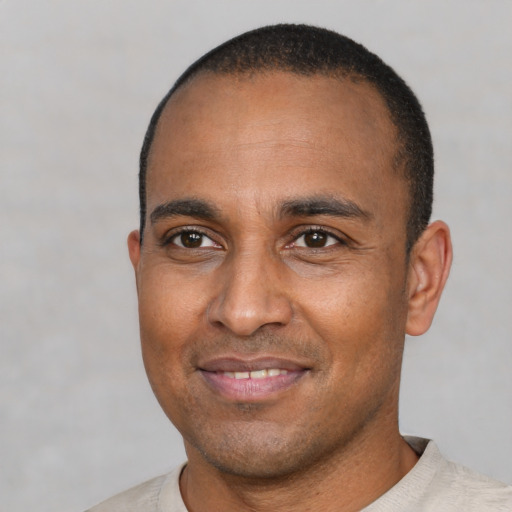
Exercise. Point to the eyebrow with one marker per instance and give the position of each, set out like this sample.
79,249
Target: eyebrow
303,207
312,206
186,208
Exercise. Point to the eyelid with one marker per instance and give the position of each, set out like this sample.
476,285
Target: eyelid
169,236
304,230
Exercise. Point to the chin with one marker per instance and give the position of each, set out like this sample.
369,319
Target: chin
259,455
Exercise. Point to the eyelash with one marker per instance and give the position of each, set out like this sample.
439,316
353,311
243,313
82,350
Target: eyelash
169,238
301,232
316,229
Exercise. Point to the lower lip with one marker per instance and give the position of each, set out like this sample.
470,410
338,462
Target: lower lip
251,389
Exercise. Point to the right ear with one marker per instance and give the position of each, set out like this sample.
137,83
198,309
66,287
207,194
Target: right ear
134,248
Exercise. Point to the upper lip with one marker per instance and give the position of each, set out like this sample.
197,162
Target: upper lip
248,364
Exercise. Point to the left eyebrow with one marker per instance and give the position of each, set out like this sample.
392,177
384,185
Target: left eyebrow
312,206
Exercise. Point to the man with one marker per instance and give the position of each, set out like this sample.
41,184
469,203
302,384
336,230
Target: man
284,252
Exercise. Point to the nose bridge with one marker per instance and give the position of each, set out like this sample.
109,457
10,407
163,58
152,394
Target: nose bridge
251,293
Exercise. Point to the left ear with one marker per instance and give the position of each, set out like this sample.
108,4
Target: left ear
429,266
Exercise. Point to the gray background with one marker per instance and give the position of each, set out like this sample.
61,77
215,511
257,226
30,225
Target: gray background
79,80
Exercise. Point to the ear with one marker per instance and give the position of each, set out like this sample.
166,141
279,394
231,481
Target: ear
134,248
429,266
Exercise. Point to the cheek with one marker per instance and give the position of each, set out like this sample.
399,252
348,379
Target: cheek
170,315
165,326
360,316
170,306
364,340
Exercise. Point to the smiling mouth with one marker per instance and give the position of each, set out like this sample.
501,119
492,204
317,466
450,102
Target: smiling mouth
256,374
251,380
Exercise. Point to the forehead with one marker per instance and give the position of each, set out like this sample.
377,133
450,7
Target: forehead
350,105
250,132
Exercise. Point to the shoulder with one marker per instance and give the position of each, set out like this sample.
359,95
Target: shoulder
450,486
146,497
468,490
436,484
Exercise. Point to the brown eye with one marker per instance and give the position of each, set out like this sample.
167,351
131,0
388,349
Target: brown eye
315,240
193,240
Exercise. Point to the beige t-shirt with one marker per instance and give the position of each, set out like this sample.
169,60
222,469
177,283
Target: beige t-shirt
433,485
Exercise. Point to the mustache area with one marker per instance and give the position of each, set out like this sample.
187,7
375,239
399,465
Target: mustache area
298,348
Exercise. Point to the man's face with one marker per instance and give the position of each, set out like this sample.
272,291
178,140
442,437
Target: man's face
272,276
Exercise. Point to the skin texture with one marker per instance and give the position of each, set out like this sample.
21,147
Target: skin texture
256,164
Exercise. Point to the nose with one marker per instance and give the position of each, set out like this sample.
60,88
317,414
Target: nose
252,295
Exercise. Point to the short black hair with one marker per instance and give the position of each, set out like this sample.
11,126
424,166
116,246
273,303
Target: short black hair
307,50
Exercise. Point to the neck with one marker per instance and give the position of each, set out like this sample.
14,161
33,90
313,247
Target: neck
362,471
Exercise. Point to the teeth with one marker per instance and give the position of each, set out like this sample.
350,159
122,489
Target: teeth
259,374
256,374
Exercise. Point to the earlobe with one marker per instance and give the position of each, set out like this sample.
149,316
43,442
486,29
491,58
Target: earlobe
134,248
429,266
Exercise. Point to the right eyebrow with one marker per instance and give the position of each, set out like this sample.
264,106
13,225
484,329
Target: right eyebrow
189,207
